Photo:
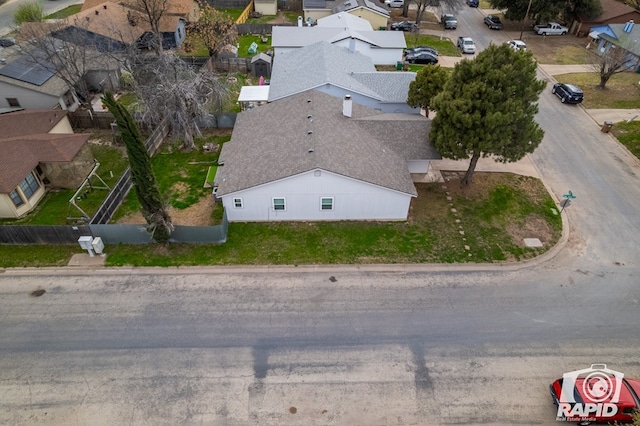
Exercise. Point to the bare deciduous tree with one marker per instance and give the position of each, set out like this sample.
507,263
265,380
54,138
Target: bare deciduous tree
612,61
69,57
450,5
170,89
152,12
214,28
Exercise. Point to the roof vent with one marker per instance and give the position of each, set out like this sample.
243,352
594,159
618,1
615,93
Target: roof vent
347,106
308,101
310,132
310,150
104,6
97,12
3,60
628,26
309,116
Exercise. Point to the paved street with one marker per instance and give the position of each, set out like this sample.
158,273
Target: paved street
341,345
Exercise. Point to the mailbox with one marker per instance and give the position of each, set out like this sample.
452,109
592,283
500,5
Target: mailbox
86,242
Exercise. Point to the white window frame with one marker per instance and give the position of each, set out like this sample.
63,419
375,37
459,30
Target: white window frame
276,207
237,203
322,204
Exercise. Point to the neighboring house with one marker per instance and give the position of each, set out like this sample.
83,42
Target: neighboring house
112,27
338,71
187,9
613,12
29,85
620,36
317,157
39,147
373,11
343,29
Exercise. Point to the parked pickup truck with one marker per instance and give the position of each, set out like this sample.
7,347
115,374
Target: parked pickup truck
466,45
551,28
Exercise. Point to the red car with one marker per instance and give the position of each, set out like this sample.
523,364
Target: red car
595,395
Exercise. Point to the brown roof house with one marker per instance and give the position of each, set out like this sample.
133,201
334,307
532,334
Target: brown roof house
39,147
613,12
112,27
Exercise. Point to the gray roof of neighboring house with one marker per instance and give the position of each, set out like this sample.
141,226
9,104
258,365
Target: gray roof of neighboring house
53,86
345,6
273,142
629,41
304,36
322,63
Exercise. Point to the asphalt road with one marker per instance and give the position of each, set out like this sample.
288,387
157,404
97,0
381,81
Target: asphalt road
340,345
343,348
9,9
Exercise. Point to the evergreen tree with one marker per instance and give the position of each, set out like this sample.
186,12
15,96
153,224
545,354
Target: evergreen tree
429,81
158,220
487,108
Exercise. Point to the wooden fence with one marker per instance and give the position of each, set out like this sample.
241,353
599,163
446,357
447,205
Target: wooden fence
90,120
42,234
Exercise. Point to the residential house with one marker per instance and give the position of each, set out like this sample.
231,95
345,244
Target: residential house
373,11
613,12
343,29
39,148
336,70
187,9
620,36
316,157
113,27
24,83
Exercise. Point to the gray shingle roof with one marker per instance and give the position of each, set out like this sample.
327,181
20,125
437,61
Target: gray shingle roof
389,86
317,64
304,36
273,142
629,41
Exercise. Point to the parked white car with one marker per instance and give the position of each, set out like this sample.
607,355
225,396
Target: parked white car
517,45
466,45
394,3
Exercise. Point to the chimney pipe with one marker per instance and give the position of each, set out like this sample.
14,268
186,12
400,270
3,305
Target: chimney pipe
347,106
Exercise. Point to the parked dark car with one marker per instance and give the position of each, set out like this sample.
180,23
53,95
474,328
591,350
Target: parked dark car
493,22
419,49
422,58
404,26
449,21
568,93
473,3
7,41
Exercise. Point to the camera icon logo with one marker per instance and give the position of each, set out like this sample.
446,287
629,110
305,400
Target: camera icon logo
597,383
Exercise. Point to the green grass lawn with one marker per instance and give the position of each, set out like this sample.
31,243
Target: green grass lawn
622,90
494,215
629,135
444,46
66,12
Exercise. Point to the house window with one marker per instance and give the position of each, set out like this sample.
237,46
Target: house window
326,203
279,204
29,185
16,198
237,203
13,102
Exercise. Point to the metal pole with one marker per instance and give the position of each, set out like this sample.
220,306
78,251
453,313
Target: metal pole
526,15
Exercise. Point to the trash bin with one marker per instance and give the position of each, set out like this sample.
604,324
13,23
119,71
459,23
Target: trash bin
399,65
606,127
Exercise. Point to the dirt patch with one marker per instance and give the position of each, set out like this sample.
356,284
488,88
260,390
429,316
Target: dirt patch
198,214
534,227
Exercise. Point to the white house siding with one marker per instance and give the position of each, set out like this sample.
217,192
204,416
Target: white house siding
352,200
9,210
418,166
378,55
28,99
389,107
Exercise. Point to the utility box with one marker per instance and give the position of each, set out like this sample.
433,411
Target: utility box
606,126
98,245
86,242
